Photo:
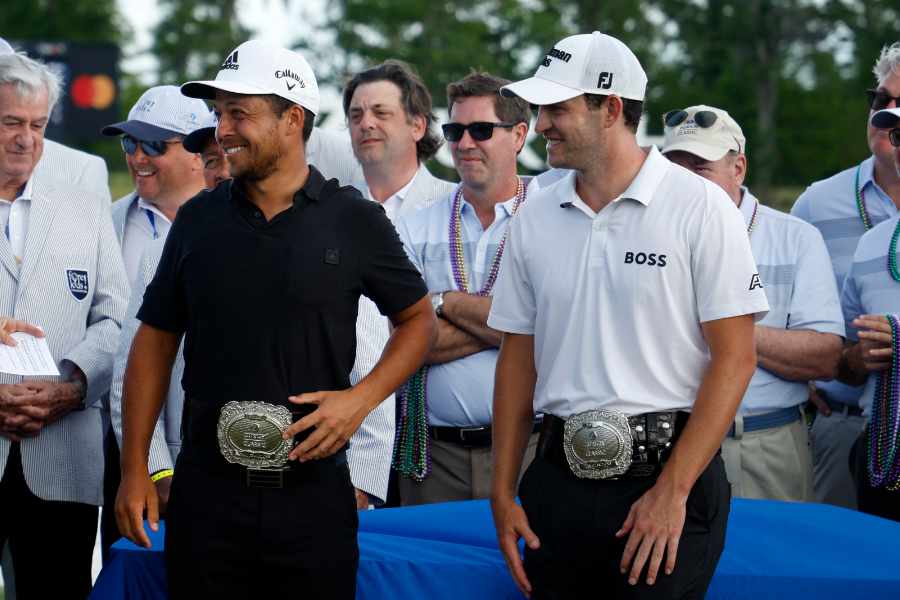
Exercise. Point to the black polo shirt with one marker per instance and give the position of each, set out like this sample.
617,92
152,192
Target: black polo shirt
269,308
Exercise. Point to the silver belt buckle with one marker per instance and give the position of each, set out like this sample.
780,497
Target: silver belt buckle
598,444
250,434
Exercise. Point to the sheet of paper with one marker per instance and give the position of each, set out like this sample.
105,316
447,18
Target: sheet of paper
31,356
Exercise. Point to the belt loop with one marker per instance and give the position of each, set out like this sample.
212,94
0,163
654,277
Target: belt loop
738,426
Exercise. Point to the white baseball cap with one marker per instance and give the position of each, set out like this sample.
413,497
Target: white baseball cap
256,68
887,118
593,63
196,140
704,131
161,112
5,48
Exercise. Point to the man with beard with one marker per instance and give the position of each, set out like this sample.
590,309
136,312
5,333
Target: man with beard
250,512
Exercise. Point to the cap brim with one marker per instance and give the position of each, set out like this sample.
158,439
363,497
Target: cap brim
206,90
704,151
539,91
887,118
140,130
196,140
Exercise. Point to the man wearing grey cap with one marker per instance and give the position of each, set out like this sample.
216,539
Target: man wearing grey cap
252,513
613,286
766,451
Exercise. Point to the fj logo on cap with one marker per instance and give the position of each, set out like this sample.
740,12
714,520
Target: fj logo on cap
554,53
78,283
231,62
605,80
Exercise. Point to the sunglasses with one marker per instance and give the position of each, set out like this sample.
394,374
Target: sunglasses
703,118
894,135
479,130
151,149
879,99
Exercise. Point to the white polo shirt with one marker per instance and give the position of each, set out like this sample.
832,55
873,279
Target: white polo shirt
14,220
615,299
795,270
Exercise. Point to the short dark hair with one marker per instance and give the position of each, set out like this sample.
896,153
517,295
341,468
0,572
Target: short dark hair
414,97
631,109
481,83
279,105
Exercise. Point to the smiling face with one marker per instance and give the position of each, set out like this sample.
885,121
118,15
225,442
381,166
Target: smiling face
482,163
573,132
163,178
250,134
215,169
381,131
23,121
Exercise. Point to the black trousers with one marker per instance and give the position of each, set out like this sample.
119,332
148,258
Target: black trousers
871,500
576,520
112,477
224,539
52,543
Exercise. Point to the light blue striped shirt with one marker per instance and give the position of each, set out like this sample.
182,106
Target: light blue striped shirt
795,270
870,289
830,205
460,392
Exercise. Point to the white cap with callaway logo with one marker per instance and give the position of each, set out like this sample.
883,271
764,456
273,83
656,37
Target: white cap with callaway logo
258,68
161,113
703,131
593,63
887,118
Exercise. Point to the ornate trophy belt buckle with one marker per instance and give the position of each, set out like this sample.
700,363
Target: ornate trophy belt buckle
250,435
598,444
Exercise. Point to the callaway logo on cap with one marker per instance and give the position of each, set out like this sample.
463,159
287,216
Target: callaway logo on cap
592,63
161,113
255,68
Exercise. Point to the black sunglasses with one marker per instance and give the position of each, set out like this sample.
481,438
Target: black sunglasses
151,149
479,130
894,135
703,118
879,99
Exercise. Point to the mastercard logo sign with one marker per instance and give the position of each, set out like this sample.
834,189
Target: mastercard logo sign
93,91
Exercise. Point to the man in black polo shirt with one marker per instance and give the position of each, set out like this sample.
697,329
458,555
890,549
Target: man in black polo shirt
263,276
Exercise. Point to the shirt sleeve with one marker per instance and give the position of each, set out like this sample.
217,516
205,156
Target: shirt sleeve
815,303
726,279
164,305
801,207
388,278
851,301
513,308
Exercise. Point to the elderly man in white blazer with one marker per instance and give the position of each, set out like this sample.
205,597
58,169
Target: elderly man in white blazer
60,269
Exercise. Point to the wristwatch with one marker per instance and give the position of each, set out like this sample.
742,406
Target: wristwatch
437,303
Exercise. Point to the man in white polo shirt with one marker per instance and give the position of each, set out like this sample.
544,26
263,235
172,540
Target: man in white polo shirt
767,452
457,244
630,287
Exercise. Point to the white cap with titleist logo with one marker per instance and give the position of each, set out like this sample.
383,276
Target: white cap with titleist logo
258,68
161,113
887,118
590,63
703,131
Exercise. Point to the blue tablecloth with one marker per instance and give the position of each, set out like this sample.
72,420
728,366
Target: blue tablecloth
446,551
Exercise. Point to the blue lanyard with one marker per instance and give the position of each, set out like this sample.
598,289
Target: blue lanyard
150,217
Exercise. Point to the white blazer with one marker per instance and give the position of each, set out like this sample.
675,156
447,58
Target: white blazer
72,283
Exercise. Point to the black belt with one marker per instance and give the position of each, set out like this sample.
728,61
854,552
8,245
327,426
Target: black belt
276,478
650,432
468,437
840,407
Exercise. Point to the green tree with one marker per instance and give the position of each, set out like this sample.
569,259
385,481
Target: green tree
68,20
193,37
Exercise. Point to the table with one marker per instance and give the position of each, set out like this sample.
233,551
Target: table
774,550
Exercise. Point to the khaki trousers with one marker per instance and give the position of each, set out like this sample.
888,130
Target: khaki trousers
770,464
457,473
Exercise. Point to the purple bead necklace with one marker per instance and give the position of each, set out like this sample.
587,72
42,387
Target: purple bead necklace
884,425
412,449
